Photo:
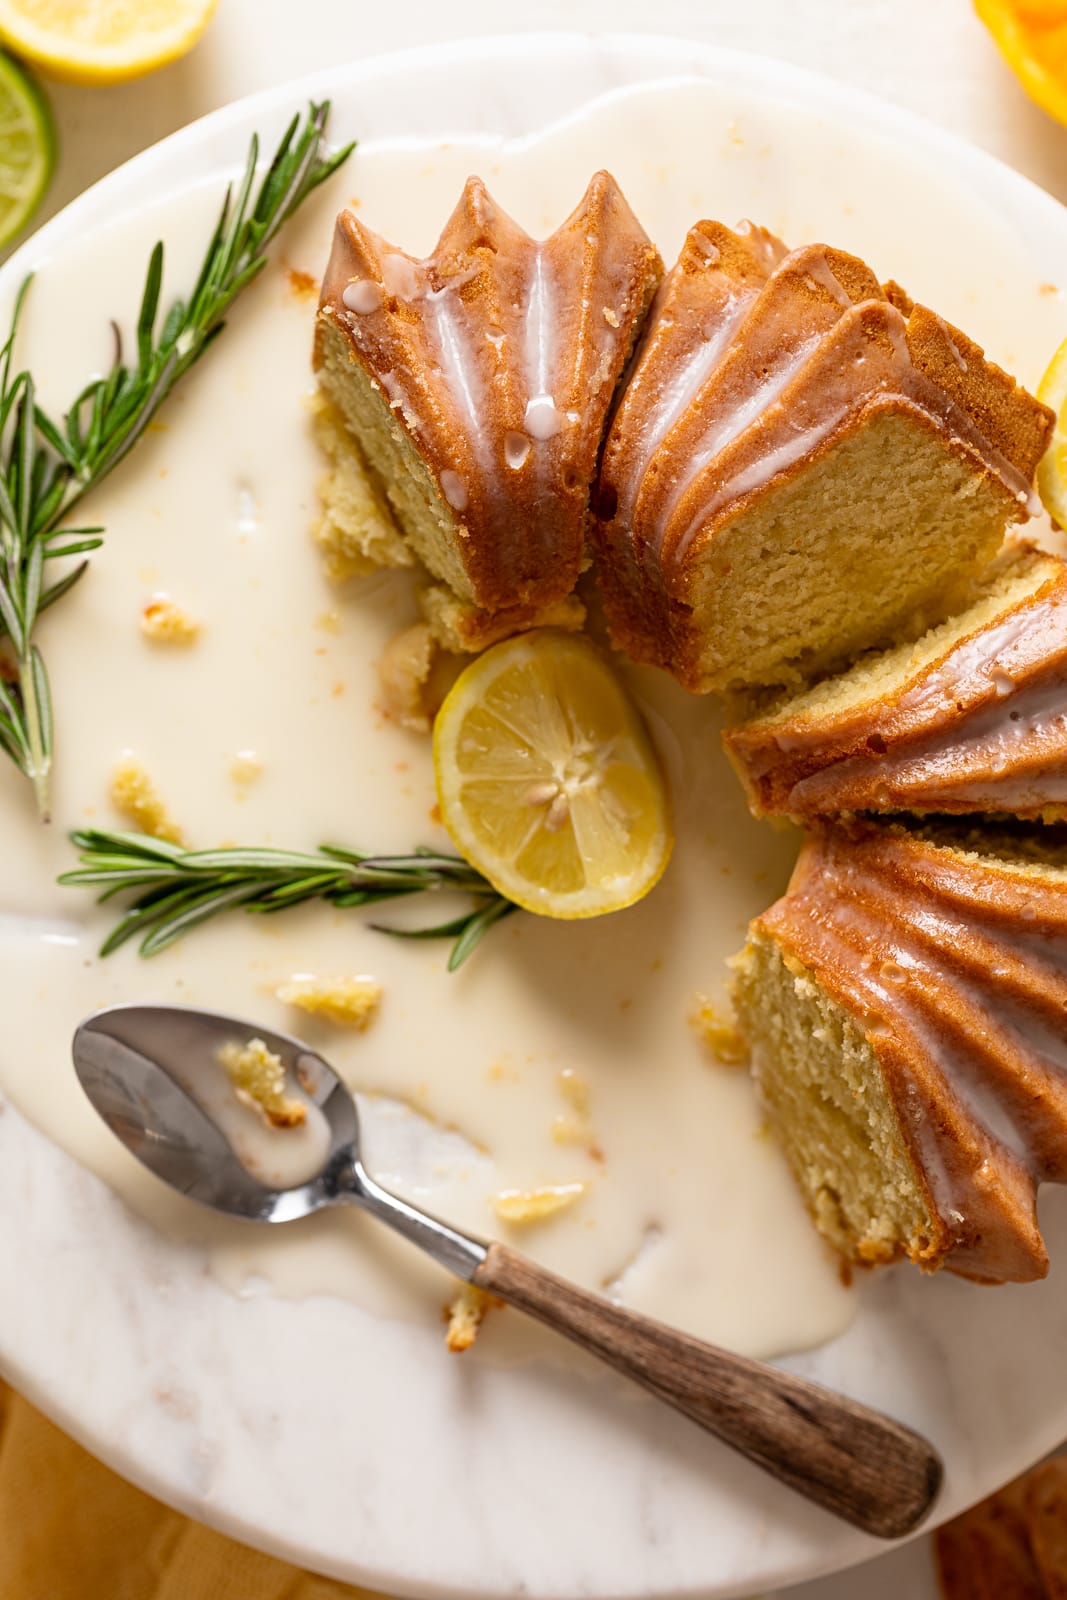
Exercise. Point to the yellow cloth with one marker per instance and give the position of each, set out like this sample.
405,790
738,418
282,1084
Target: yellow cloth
71,1530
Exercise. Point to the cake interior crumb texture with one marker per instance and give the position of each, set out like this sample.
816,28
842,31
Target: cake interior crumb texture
874,537
356,531
431,529
1018,572
825,1094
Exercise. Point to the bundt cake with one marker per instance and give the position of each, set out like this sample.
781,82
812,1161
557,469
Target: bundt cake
972,717
904,1006
475,387
802,465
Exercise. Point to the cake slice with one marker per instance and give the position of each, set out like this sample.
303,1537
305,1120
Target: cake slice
698,310
860,480
903,1004
475,386
970,718
804,297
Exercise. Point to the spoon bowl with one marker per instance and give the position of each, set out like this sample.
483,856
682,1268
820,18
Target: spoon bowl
153,1074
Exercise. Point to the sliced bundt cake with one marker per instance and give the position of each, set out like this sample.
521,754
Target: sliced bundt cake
972,717
904,1005
475,386
839,465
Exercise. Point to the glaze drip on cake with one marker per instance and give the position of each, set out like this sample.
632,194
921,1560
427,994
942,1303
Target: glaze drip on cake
904,1003
971,718
717,276
476,383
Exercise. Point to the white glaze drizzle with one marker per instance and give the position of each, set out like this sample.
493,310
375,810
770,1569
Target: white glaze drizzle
820,273
541,418
362,296
543,421
954,350
516,449
403,277
454,490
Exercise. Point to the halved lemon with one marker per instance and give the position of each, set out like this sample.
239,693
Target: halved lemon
1052,468
547,780
1032,37
102,41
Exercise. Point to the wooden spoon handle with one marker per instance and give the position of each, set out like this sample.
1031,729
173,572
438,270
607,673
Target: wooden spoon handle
855,1462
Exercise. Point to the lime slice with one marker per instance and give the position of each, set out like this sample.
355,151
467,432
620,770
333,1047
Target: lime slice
27,148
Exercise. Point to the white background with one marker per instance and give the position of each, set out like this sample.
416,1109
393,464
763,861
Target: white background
932,56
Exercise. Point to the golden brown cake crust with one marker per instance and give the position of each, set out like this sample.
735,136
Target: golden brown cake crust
981,726
698,308
497,358
954,965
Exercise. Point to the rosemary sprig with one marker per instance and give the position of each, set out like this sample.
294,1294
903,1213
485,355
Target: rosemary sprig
46,467
179,889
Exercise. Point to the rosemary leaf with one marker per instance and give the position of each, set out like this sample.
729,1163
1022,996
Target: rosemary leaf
477,927
47,465
176,890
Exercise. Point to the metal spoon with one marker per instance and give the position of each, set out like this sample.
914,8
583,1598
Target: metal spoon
149,1071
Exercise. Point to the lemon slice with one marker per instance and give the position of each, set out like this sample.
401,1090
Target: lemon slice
27,149
1032,37
547,781
84,41
1052,468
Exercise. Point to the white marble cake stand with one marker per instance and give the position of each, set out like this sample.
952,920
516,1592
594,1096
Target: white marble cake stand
346,1443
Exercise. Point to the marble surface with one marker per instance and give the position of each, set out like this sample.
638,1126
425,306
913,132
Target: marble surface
110,1339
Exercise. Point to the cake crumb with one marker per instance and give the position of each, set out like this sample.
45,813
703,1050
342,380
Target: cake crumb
347,1002
522,1207
134,794
258,1079
572,1127
465,1315
720,1033
245,769
611,317
573,1087
163,621
569,1130
303,284
463,629
404,670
